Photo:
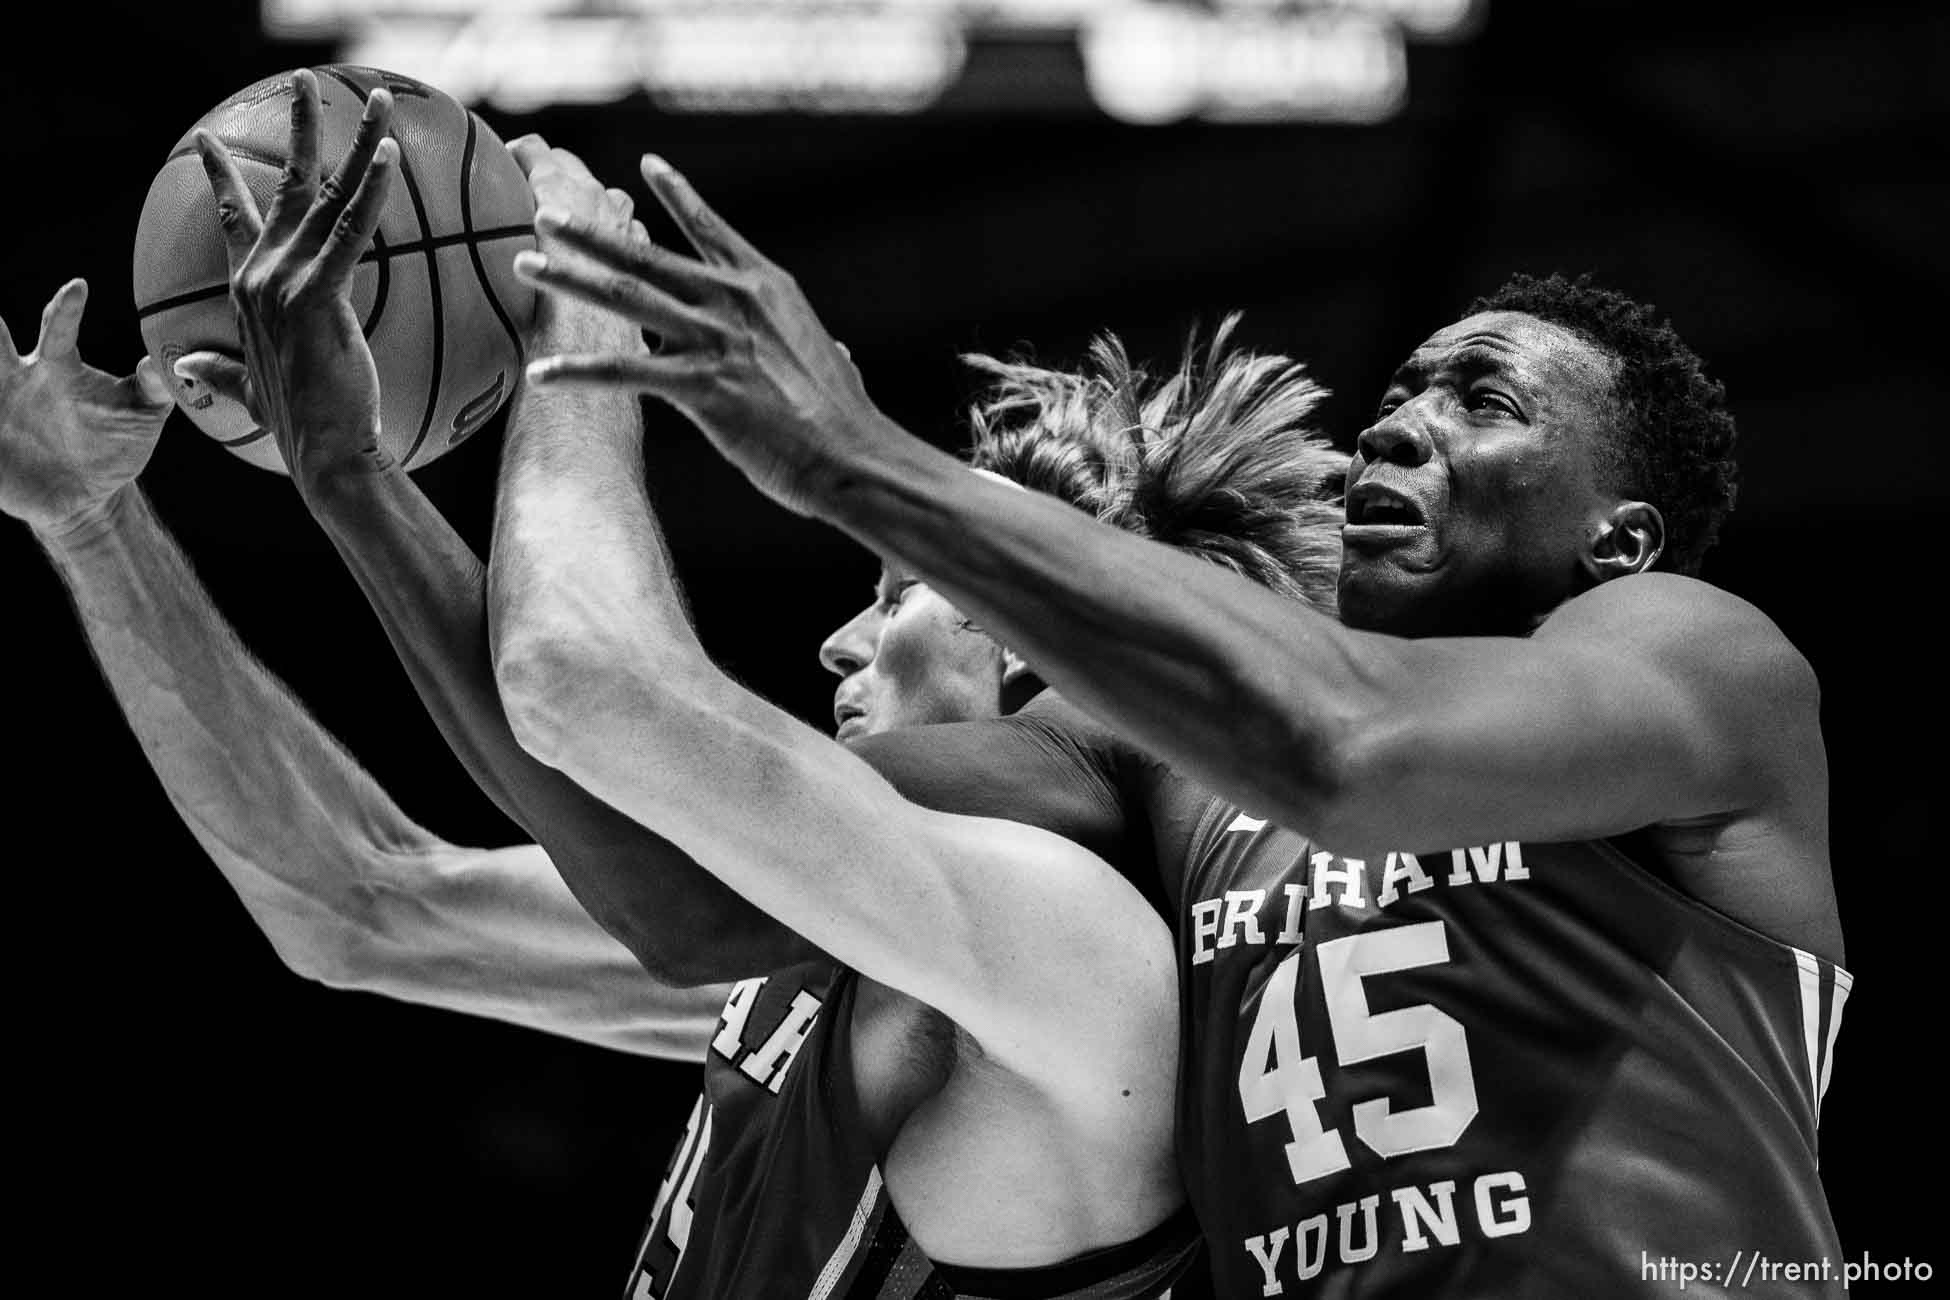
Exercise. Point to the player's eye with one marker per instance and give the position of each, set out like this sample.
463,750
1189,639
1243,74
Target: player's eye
1481,399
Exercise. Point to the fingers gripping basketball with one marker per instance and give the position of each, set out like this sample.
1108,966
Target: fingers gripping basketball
435,293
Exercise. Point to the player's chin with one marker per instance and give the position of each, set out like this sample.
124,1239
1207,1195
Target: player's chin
1380,589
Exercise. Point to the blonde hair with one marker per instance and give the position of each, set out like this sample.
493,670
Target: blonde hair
1217,459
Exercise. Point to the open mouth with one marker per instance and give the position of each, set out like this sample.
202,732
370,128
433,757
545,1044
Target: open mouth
1370,505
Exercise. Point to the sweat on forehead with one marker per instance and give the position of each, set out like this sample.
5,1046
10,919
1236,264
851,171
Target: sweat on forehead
1530,348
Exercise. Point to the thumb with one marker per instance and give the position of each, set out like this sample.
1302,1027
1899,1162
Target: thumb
152,384
527,151
222,374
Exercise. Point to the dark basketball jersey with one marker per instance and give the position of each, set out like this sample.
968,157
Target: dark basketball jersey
1500,1070
721,1224
1494,1070
774,1189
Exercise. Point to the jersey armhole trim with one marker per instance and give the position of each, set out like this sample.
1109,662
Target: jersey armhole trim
1779,951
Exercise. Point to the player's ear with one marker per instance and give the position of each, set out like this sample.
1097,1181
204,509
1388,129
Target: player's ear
1629,539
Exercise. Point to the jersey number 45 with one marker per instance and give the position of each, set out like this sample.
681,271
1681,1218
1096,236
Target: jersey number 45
1276,1077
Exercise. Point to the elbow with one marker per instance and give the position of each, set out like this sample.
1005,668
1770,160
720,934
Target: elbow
1344,794
539,680
347,968
1354,784
682,967
1317,785
561,693
364,934
335,955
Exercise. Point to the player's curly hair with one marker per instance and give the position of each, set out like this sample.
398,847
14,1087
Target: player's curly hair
1217,459
1674,436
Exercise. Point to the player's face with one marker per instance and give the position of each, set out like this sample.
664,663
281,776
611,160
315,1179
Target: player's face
1474,493
910,659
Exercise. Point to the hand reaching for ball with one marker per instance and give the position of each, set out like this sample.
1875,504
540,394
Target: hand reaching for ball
309,374
742,352
562,182
71,436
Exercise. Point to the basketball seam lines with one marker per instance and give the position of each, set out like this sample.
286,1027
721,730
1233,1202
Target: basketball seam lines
371,255
433,281
381,256
473,250
439,317
380,260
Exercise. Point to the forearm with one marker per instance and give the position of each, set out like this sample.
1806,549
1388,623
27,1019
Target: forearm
579,560
978,919
1610,717
1248,691
496,933
348,889
575,545
603,679
577,548
295,825
429,591
778,812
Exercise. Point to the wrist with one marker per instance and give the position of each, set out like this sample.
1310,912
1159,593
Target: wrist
565,326
329,483
97,519
853,477
571,429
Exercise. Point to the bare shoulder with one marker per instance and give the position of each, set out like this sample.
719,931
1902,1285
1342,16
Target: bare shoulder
1750,699
1722,678
1712,643
1669,610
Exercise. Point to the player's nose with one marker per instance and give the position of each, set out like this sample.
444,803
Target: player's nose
851,646
1399,437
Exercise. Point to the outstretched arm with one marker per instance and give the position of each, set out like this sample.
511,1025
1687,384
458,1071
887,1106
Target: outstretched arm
1032,945
348,889
427,586
1647,700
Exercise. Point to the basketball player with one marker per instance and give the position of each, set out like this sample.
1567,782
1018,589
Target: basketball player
1510,945
338,878
1027,1139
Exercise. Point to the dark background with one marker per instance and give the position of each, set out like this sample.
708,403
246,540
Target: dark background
191,1114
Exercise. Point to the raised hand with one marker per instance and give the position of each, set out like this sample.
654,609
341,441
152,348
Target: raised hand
70,435
309,375
742,353
562,182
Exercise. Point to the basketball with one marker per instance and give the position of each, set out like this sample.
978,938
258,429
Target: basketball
436,292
